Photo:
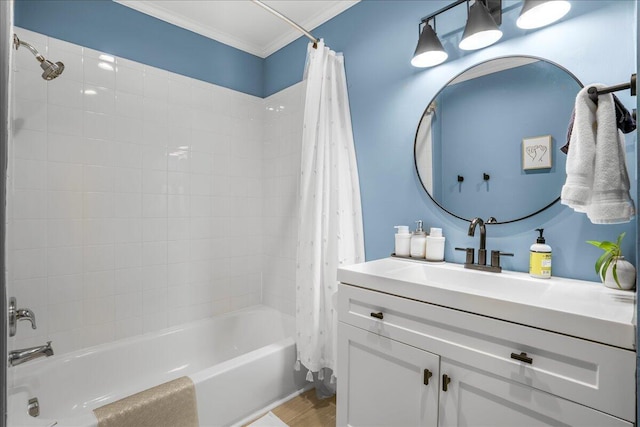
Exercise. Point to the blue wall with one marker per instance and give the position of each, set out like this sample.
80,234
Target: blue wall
388,97
119,30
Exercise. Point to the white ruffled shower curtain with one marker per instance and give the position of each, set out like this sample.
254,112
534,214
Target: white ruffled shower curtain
330,215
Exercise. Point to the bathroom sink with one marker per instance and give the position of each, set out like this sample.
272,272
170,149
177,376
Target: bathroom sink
448,274
572,307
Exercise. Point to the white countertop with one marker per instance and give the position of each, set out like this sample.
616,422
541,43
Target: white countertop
573,307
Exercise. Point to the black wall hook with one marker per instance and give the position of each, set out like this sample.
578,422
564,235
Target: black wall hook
485,176
460,178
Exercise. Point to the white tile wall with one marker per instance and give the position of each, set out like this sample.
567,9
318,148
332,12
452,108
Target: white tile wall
135,198
280,170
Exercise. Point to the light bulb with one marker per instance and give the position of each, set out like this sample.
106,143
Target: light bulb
429,59
480,40
536,14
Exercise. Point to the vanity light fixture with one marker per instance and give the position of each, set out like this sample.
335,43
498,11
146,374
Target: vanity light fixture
538,13
481,30
429,51
482,26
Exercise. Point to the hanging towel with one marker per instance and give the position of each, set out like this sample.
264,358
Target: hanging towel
624,120
597,179
610,200
576,192
565,147
172,404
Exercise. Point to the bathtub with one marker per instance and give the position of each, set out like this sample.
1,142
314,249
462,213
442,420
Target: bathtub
240,363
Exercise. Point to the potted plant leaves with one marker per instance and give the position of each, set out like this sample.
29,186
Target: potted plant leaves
614,271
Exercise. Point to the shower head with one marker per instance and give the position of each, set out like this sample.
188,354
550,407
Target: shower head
50,70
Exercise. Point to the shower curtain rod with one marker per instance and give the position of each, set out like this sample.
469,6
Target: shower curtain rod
289,21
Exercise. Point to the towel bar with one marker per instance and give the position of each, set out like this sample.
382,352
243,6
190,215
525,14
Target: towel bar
595,92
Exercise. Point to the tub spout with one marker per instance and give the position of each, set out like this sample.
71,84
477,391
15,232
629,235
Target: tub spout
17,357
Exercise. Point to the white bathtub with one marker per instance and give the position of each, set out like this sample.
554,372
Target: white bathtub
239,362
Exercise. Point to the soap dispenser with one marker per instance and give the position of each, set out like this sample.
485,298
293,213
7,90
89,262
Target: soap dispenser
540,258
418,241
435,245
403,240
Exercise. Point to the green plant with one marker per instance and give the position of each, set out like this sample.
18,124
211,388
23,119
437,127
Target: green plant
612,252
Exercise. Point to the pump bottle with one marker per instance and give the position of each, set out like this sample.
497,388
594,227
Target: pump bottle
435,245
403,240
540,258
418,241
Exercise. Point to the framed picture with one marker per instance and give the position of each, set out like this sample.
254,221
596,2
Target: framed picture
536,153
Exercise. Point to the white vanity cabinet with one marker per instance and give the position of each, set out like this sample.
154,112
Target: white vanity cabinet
390,383
405,361
478,398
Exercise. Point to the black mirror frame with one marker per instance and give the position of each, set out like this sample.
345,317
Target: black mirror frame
415,141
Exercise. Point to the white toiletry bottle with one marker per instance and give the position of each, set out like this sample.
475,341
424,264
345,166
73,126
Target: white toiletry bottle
418,241
435,245
540,258
403,240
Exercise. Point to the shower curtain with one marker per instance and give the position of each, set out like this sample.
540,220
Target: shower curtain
330,216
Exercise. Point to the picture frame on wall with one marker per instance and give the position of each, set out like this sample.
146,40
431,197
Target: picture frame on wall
536,153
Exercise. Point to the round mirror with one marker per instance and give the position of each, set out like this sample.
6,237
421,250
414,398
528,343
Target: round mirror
488,144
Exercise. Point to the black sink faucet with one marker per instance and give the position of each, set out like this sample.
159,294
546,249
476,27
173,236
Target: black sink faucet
482,251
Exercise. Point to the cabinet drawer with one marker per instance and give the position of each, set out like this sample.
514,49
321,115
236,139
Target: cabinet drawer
593,374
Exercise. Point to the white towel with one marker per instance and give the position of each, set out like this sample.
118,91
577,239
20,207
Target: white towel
597,179
576,192
610,199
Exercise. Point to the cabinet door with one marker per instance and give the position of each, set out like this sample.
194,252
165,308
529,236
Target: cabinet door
381,382
477,398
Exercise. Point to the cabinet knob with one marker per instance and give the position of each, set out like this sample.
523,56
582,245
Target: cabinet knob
377,315
427,375
446,379
522,357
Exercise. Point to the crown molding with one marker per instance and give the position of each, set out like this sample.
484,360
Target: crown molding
309,25
167,16
261,51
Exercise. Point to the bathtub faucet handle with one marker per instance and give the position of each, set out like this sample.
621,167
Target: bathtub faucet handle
17,314
26,314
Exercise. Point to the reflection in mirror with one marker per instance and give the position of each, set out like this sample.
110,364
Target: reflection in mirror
499,125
